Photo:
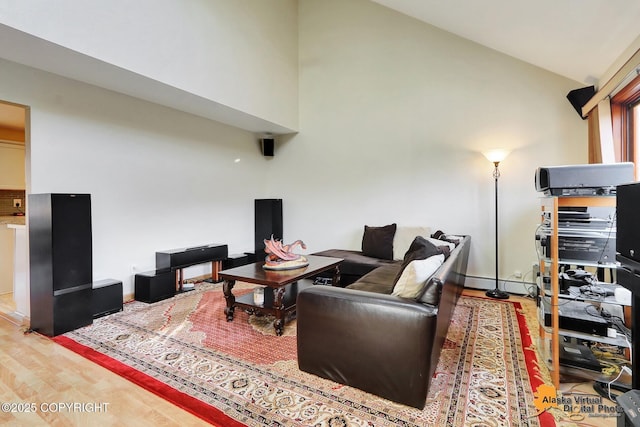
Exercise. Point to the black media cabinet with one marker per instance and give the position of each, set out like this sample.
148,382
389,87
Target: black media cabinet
166,280
178,259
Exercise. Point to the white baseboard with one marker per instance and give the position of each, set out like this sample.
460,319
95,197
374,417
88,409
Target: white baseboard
512,286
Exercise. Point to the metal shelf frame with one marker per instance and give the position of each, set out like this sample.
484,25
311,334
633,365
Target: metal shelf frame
551,206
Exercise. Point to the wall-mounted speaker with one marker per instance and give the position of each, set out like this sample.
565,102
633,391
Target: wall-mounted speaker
579,97
267,145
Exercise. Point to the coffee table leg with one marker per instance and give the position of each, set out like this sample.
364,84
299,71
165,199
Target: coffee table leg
278,324
336,276
227,286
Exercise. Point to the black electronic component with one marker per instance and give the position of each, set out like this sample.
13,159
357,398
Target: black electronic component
629,402
185,257
579,97
628,206
152,286
268,223
235,260
267,146
106,297
60,266
598,179
577,316
579,355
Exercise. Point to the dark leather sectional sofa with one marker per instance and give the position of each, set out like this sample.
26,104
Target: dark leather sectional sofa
356,264
365,337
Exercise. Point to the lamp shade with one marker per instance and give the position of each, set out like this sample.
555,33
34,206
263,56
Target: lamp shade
496,155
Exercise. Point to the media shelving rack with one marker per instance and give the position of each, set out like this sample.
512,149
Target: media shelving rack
550,207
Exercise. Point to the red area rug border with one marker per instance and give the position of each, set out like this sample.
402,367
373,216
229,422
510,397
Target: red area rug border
190,404
530,356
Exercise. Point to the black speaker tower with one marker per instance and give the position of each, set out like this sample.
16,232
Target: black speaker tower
268,222
61,264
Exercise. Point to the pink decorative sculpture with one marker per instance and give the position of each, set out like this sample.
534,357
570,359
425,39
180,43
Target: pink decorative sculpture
281,257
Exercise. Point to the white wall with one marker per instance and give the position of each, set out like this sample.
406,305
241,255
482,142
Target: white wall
240,53
158,178
393,116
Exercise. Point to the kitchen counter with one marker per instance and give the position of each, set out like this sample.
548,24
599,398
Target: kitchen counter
9,219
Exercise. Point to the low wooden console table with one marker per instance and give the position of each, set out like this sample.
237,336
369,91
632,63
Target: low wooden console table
283,284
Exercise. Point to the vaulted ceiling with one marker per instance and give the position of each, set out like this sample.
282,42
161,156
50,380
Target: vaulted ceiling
578,39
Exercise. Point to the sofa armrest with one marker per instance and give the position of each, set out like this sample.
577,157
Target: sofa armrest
378,343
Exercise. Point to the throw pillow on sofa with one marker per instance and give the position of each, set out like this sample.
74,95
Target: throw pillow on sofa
415,275
420,262
377,242
442,243
404,237
451,238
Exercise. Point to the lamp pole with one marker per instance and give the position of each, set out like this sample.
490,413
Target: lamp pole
496,293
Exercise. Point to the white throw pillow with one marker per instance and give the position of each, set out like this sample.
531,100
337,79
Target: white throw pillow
403,238
414,276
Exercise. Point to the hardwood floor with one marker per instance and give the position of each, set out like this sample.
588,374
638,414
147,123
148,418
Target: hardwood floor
35,370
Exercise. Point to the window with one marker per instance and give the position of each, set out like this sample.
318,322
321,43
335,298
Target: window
625,116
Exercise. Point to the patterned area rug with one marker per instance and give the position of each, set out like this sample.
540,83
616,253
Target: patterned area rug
240,373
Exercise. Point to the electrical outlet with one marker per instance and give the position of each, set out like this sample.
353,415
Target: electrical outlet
535,267
17,203
517,274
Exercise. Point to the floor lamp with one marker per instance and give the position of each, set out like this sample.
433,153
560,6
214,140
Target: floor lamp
496,156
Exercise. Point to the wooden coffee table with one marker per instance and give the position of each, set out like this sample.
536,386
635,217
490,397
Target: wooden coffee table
281,287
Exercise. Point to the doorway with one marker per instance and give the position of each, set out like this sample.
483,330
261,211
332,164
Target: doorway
14,287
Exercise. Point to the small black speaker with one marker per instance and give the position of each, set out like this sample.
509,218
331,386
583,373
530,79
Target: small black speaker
579,97
156,285
268,145
106,297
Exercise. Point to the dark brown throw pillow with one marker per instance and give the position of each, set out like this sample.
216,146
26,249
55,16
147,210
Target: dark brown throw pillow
439,235
377,242
445,250
420,248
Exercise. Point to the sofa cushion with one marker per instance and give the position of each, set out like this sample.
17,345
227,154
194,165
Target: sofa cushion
413,276
355,263
377,242
404,237
380,280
